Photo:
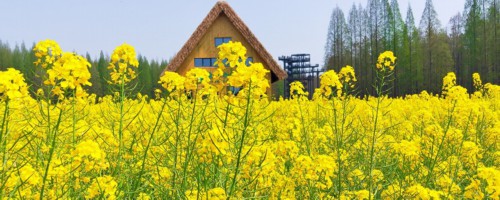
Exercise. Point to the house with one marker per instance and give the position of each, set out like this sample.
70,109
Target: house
221,25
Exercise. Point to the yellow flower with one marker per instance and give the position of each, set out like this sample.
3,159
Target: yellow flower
193,194
105,185
297,89
232,54
251,78
419,192
47,52
172,81
69,73
492,178
29,175
347,75
217,194
143,196
123,57
473,190
449,81
386,61
392,192
12,85
476,80
470,154
330,84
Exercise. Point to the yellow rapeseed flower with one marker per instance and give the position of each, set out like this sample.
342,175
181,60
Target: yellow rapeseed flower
386,61
330,84
47,52
12,85
171,81
123,62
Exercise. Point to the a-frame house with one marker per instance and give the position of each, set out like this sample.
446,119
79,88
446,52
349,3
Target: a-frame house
221,25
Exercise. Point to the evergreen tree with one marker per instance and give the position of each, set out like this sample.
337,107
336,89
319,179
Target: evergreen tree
336,40
145,82
5,56
429,27
353,39
456,47
103,74
493,42
396,36
472,14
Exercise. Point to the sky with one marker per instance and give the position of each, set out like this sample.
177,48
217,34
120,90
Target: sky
159,28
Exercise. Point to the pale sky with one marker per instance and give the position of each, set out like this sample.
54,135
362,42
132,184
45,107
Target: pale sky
159,28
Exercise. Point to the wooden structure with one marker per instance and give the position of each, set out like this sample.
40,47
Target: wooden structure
221,25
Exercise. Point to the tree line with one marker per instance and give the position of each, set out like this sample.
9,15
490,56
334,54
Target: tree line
21,58
425,53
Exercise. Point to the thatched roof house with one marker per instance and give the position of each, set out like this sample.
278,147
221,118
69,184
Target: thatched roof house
221,25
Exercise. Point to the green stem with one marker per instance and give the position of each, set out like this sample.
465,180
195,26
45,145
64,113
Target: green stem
73,104
51,153
3,141
338,141
434,161
240,147
177,138
120,128
4,121
374,135
304,132
141,172
188,147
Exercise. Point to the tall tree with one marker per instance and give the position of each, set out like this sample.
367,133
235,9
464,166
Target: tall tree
375,23
5,56
472,12
144,77
102,68
353,39
336,40
456,47
493,41
484,68
396,34
365,51
410,58
429,26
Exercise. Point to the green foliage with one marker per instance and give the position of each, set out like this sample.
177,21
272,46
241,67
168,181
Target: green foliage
425,52
22,58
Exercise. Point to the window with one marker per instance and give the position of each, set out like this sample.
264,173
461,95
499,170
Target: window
204,62
234,90
198,62
248,61
221,40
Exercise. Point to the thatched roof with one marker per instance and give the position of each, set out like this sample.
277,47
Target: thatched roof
222,7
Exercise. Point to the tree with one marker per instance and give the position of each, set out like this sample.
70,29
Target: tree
5,56
472,14
365,66
145,82
409,60
493,42
353,39
456,47
336,40
429,27
103,74
396,36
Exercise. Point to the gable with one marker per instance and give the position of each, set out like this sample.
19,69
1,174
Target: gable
205,48
223,18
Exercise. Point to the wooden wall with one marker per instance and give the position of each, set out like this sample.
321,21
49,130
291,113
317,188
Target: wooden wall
221,27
